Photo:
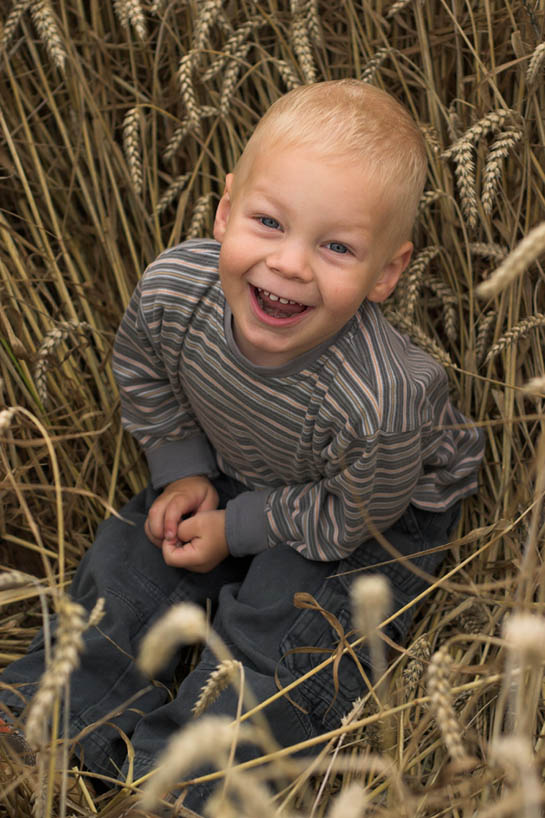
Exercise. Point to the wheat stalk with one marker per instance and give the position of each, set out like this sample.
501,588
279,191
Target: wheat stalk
302,47
534,66
396,7
514,334
535,386
172,191
130,13
206,740
449,301
51,340
208,11
516,262
289,77
420,654
185,80
218,680
48,30
132,147
198,218
181,624
184,129
492,172
488,249
428,198
352,802
12,22
371,67
413,279
69,644
439,691
419,337
230,78
232,47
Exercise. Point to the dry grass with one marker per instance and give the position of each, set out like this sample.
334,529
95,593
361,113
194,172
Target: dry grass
118,122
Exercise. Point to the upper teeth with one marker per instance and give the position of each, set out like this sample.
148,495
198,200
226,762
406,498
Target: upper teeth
274,297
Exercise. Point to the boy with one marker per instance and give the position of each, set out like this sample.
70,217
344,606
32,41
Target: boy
284,421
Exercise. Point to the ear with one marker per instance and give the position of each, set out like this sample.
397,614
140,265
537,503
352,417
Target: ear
223,209
387,281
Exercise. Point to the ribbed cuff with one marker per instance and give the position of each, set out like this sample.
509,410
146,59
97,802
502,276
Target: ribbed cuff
246,524
181,458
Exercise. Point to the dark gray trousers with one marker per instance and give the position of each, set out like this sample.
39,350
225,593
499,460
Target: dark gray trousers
253,611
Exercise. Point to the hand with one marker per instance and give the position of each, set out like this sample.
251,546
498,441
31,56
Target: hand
189,495
204,544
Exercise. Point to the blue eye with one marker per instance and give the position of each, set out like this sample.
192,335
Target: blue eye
337,247
268,221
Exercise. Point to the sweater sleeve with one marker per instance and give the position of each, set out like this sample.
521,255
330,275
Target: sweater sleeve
327,519
154,408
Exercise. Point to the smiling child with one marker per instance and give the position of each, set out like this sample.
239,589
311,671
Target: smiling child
284,422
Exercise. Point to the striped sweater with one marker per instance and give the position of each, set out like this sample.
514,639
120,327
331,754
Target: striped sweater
350,432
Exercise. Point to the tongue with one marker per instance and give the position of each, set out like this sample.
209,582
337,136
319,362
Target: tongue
278,310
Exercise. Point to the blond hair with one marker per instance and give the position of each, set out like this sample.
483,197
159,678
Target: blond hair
350,119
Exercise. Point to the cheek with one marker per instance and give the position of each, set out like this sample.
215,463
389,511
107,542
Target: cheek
343,301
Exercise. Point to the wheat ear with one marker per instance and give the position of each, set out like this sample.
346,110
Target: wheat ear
68,646
515,334
185,80
12,22
51,340
534,66
131,14
420,654
516,262
419,337
208,11
48,30
372,65
218,680
492,171
439,691
302,47
133,147
198,218
207,740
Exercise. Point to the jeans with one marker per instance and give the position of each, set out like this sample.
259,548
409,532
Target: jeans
251,601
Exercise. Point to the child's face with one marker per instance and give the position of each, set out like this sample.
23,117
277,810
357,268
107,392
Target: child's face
303,244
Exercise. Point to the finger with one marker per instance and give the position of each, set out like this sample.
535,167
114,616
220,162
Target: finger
189,529
210,500
177,506
156,540
183,556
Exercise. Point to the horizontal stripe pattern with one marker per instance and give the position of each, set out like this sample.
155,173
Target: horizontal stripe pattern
351,437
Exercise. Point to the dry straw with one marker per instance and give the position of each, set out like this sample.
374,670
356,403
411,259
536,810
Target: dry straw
439,691
526,251
524,634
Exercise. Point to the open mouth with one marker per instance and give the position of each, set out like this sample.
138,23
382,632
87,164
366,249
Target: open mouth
277,307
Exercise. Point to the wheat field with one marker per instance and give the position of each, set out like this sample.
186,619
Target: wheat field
118,122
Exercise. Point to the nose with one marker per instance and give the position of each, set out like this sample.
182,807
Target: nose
290,258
